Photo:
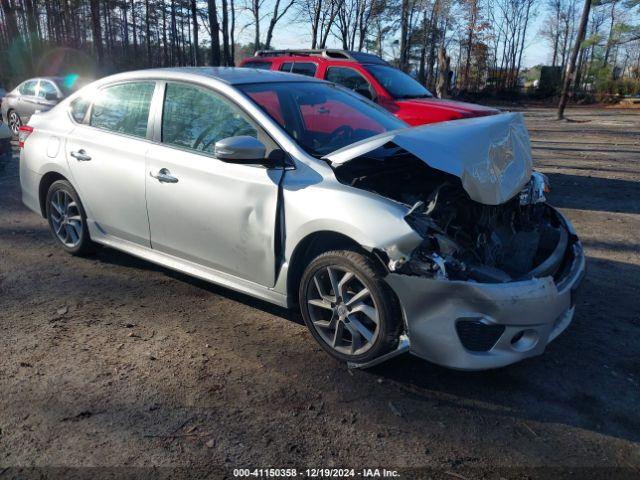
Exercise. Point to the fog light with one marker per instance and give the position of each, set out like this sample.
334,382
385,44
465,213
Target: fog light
524,340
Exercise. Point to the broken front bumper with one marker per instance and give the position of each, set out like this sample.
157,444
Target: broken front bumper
476,326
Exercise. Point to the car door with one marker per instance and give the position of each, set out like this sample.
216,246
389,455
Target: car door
352,79
106,152
27,102
204,210
48,95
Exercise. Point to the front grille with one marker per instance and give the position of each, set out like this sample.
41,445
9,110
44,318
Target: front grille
478,336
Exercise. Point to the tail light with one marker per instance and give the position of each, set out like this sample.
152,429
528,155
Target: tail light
23,134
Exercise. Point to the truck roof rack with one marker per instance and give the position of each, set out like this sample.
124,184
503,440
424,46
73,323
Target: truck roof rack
334,54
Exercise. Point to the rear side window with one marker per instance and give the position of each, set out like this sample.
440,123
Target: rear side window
349,78
196,118
123,108
301,68
79,109
28,87
258,65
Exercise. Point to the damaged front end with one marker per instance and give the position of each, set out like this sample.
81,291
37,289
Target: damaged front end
465,240
494,277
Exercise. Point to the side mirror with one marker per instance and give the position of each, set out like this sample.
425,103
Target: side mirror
240,149
51,96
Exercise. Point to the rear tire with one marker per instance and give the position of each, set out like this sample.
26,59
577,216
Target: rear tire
348,307
14,121
67,219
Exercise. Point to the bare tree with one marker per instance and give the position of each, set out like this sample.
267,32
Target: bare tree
444,66
96,28
194,19
279,11
214,29
569,75
321,14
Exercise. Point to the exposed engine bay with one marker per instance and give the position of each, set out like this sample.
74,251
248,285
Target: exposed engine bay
462,239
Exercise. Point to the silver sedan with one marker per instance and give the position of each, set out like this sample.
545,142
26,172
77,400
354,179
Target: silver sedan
435,240
35,95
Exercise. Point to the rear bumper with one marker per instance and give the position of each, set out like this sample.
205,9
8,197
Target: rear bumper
477,326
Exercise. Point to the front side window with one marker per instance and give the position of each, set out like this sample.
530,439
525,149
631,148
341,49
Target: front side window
123,108
196,118
28,87
258,65
350,78
47,90
397,83
321,117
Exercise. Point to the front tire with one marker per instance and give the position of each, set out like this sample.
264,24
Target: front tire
348,307
67,219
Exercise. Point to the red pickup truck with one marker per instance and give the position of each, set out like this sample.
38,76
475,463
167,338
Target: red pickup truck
371,77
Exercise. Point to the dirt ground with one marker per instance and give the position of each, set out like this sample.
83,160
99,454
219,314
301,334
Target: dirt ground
112,361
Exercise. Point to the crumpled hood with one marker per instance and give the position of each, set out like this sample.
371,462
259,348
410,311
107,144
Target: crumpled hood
491,155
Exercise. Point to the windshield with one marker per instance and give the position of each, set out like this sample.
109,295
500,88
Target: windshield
397,83
321,117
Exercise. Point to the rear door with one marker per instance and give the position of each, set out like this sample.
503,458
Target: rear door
217,214
106,153
27,102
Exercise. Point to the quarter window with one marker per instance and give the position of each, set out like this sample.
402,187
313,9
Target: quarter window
28,87
123,108
79,109
351,79
196,119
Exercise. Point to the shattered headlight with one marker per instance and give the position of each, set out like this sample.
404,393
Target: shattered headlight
534,191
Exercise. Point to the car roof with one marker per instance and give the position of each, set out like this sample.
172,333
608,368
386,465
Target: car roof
320,55
228,75
35,79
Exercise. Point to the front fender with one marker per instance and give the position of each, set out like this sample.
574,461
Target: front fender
369,219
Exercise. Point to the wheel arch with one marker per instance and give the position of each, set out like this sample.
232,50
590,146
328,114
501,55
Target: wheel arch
313,245
45,183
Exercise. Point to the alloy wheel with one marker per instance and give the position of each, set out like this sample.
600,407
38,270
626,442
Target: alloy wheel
66,219
342,310
14,123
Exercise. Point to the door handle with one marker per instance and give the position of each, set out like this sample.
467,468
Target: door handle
164,176
81,156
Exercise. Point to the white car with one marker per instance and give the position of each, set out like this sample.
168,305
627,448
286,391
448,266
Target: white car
435,240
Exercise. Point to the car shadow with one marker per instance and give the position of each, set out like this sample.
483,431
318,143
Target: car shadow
571,383
115,257
594,193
